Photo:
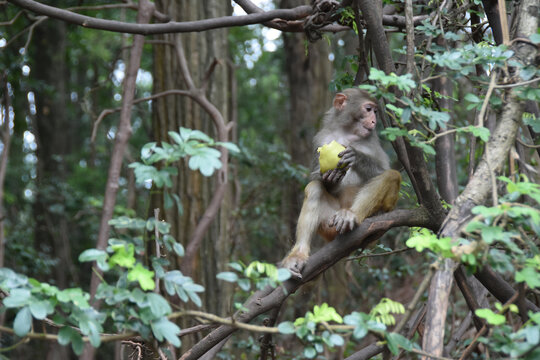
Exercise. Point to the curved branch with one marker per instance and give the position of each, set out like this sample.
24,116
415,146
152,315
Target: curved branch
264,300
170,27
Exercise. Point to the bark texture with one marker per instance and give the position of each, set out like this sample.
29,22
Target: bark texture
171,112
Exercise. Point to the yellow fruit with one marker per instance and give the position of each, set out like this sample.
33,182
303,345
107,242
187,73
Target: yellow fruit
328,155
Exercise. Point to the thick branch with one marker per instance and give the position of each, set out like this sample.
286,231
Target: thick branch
472,303
501,289
377,35
262,301
170,27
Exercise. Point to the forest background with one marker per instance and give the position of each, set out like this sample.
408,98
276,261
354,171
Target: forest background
153,157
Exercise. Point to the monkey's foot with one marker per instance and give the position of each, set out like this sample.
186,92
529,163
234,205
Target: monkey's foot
295,264
344,221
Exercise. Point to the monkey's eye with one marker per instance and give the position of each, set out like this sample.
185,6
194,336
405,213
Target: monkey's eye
370,108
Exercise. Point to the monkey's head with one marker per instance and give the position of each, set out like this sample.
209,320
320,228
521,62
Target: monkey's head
356,112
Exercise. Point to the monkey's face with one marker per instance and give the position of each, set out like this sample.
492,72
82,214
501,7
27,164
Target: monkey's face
365,119
356,113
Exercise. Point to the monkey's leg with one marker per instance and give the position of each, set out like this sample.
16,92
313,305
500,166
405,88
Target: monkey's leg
344,220
317,207
379,194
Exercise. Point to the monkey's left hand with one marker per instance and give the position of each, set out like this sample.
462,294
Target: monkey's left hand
348,158
334,176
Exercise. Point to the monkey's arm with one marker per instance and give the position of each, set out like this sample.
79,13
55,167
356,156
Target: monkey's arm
363,161
331,178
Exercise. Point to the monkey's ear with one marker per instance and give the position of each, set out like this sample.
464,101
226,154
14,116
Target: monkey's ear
340,101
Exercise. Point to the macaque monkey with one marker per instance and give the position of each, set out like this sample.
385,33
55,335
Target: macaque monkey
360,186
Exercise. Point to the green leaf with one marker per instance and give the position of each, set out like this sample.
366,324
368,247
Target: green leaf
491,317
89,321
326,313
191,286
358,320
236,266
17,298
124,255
67,335
491,234
310,352
488,212
406,115
76,296
64,335
472,98
244,284
9,279
189,134
165,329
143,276
229,146
99,256
286,328
176,137
162,226
77,344
40,309
91,255
337,340
195,298
125,222
530,276
283,274
392,133
391,343
532,334
227,276
23,322
178,249
400,341
158,305
206,160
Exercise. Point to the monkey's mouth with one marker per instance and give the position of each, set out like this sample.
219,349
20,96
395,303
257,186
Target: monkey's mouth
365,130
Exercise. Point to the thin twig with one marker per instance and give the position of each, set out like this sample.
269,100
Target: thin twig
53,337
531,146
39,20
10,22
484,328
505,86
388,253
158,252
429,356
106,112
486,99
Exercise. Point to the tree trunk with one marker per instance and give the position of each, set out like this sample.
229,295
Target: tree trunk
54,137
172,112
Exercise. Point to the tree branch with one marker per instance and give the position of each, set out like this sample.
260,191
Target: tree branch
480,185
264,300
170,27
121,140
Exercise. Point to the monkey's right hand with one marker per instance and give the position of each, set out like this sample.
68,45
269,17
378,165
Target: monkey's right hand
348,158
